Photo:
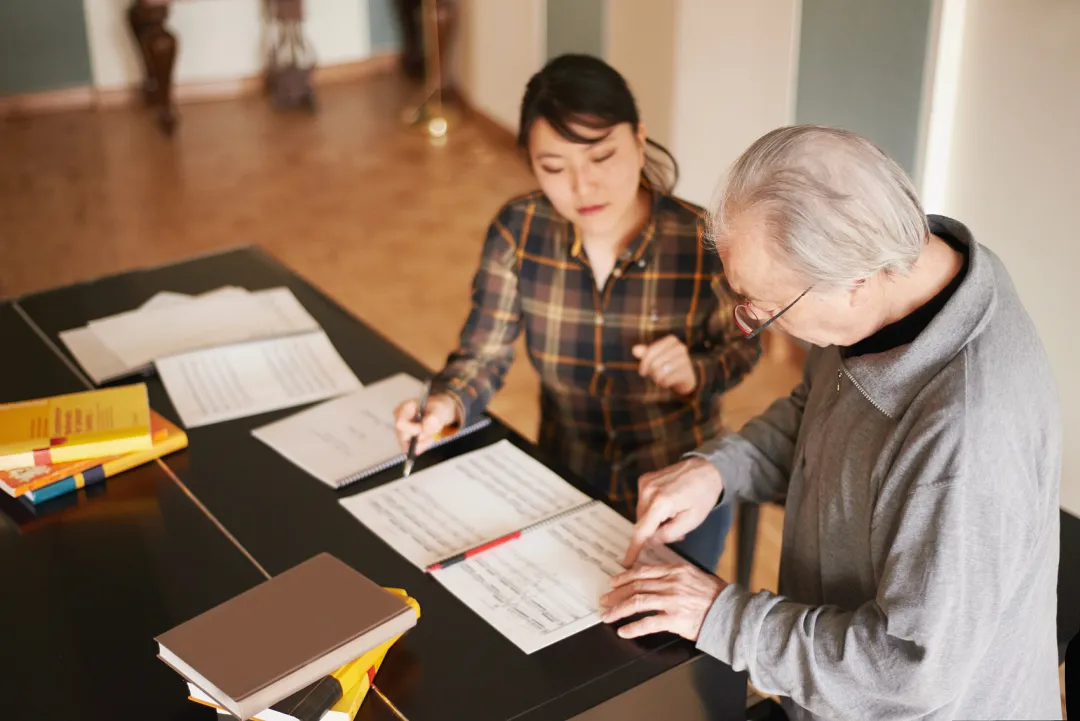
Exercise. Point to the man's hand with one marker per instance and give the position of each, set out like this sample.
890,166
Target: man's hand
678,598
672,502
667,362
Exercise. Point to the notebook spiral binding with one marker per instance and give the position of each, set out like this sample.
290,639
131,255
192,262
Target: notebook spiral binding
483,422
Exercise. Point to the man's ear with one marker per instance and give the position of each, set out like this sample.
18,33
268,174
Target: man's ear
859,293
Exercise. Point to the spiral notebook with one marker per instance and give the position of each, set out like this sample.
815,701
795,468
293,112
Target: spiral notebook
351,437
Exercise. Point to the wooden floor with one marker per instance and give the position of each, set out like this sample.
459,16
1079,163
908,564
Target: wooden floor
359,204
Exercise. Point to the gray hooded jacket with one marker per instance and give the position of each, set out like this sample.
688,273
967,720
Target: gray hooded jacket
918,577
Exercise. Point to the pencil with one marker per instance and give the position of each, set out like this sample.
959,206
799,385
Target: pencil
421,409
501,540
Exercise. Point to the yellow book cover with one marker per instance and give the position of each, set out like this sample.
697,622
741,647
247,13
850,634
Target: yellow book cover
356,677
76,426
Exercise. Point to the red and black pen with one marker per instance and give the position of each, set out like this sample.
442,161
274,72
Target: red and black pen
495,543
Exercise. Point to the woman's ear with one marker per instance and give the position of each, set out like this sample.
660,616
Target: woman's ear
641,136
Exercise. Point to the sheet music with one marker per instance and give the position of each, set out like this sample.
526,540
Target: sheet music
220,384
546,585
537,589
341,438
462,502
144,335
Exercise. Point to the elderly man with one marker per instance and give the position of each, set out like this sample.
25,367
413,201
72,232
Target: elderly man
919,457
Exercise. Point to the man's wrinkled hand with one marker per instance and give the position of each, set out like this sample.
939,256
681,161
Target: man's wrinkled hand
672,502
676,597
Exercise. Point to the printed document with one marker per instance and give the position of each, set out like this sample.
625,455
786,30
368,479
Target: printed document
536,589
235,381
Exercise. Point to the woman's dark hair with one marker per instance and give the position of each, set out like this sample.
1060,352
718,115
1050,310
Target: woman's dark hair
584,90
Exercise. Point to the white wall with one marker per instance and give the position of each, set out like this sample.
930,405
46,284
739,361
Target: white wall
501,44
1012,170
220,39
735,75
640,43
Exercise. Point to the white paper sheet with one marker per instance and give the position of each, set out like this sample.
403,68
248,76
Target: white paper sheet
167,299
462,502
220,384
268,715
350,438
96,359
100,362
546,585
144,335
536,590
344,437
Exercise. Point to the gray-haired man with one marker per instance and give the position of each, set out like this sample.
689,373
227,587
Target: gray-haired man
920,457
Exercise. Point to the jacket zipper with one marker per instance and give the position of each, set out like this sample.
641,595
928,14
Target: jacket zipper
841,372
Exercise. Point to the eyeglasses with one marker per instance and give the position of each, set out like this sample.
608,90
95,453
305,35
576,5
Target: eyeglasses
750,322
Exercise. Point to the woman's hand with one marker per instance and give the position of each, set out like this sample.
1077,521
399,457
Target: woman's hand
441,412
667,362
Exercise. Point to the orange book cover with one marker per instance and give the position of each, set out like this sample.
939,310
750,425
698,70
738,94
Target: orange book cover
166,437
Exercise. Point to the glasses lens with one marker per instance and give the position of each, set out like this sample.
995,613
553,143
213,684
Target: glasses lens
745,319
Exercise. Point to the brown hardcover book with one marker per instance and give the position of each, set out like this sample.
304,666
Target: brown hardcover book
273,640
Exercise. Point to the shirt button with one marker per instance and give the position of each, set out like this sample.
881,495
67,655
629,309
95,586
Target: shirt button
641,263
708,343
617,272
599,319
599,367
611,433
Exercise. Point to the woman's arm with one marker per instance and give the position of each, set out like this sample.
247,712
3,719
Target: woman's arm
729,355
475,371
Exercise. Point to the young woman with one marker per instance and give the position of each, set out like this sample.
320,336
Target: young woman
627,316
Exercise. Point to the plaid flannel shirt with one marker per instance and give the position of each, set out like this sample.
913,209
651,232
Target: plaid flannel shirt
598,415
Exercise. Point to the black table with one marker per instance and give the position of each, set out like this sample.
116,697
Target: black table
453,665
90,578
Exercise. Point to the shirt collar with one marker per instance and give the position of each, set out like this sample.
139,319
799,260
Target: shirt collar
892,379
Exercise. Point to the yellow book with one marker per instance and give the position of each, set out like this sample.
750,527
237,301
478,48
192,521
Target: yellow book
356,677
74,427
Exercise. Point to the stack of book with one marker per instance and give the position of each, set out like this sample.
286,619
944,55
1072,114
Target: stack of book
304,645
53,446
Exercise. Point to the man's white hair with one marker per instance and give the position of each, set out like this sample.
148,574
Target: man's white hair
838,209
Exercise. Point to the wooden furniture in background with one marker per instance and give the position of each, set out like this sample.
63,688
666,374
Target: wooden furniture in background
288,72
411,22
291,60
157,46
